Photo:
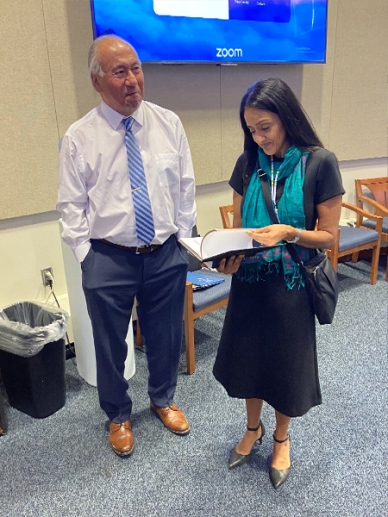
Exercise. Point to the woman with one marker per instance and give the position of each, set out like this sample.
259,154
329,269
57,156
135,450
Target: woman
267,350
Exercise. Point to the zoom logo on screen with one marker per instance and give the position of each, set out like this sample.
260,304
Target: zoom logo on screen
229,52
252,10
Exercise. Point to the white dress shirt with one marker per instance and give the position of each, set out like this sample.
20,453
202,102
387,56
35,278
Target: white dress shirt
94,196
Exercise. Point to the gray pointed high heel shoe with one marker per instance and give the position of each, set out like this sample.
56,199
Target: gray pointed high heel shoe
278,477
236,459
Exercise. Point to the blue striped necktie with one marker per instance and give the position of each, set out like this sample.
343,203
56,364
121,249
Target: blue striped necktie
141,201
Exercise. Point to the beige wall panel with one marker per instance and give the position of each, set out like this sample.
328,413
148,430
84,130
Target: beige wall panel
358,126
193,92
69,36
234,83
46,41
317,86
28,126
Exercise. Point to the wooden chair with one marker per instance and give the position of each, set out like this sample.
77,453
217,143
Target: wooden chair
197,304
226,212
372,196
373,192
351,240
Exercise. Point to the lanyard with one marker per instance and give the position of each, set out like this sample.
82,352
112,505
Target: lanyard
274,184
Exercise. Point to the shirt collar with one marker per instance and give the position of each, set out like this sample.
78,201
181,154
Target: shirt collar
114,118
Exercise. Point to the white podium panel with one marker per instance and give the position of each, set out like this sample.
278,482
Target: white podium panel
82,328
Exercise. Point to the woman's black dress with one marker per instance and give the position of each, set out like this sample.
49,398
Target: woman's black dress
268,346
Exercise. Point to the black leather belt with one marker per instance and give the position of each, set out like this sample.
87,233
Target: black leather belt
139,250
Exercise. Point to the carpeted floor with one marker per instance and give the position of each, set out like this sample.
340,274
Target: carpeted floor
63,465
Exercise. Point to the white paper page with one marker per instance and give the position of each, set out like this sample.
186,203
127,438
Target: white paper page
194,243
217,9
221,241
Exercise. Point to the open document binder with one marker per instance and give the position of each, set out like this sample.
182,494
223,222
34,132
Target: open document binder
223,243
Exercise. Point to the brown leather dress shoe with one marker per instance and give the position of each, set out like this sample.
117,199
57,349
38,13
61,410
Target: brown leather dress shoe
121,438
173,418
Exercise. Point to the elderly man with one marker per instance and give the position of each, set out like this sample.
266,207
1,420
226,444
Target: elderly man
126,194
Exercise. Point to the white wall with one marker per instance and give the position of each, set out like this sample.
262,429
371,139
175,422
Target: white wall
29,244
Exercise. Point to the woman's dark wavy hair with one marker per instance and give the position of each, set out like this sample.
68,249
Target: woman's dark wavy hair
276,96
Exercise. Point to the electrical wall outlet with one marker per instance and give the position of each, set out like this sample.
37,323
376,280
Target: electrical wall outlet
47,276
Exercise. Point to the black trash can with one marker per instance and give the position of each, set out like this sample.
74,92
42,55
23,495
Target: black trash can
3,417
32,357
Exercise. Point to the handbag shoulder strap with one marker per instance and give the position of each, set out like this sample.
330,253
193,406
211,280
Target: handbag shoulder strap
267,198
279,190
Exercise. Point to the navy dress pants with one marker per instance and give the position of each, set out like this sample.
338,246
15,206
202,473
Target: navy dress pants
111,278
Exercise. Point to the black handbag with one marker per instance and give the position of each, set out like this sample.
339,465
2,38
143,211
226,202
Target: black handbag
321,280
321,283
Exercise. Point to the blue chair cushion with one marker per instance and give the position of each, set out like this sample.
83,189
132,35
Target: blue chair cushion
214,294
369,223
352,237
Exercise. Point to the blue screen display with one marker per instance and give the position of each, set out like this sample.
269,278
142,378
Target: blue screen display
217,31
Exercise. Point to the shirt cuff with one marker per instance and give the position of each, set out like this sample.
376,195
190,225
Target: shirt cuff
183,234
81,251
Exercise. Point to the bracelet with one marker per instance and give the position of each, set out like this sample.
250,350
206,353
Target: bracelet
296,238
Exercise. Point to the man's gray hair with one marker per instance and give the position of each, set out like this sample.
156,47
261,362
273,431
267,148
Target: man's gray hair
94,64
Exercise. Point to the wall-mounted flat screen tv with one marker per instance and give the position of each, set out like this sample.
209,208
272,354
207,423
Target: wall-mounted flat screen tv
217,31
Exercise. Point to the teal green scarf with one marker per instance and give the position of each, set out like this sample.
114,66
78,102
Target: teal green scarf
290,211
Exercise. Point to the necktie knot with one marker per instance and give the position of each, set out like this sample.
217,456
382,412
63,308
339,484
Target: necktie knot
128,123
